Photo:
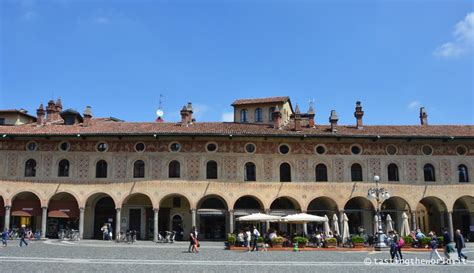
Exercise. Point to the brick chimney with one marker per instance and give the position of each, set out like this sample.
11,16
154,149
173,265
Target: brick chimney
297,118
187,114
40,115
59,106
358,114
333,120
311,115
276,118
50,110
87,116
423,116
189,107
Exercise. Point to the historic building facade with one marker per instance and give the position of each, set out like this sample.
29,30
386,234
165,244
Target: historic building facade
64,169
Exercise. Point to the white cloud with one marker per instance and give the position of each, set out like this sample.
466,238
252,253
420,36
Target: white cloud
199,110
228,116
463,39
413,104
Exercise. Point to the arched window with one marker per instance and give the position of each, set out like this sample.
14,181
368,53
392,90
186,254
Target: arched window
174,169
211,170
321,173
285,172
250,172
139,169
63,168
356,172
101,169
258,115
243,115
463,173
392,172
270,113
30,168
429,173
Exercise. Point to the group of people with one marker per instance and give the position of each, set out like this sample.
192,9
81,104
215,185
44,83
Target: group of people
248,237
24,234
107,232
395,243
193,241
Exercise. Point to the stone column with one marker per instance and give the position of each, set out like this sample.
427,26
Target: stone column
231,221
193,218
450,225
44,218
7,217
341,224
118,218
413,220
81,223
305,229
155,224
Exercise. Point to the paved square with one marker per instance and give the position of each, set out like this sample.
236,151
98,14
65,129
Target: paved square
99,256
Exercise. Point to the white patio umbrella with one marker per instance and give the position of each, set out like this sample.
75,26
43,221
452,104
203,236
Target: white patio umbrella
376,223
389,224
303,218
335,224
327,229
345,229
259,217
405,226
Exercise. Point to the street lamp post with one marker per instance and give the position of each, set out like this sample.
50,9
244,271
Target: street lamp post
380,195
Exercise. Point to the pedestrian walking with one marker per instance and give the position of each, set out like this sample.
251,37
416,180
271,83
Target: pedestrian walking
23,236
248,237
105,231
5,237
447,243
192,240
255,235
434,246
460,244
400,243
392,243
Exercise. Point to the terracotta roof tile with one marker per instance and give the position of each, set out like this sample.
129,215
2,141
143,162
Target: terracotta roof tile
261,100
99,127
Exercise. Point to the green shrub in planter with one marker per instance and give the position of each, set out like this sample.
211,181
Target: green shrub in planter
331,241
300,240
260,239
231,238
408,240
425,240
357,239
278,240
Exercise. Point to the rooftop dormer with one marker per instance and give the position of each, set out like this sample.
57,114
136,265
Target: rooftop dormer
260,110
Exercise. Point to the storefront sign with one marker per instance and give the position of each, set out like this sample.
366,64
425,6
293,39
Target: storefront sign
27,209
65,210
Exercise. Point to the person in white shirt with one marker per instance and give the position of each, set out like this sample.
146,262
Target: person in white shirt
248,237
255,235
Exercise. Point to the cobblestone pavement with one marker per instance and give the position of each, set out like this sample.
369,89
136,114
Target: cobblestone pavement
99,256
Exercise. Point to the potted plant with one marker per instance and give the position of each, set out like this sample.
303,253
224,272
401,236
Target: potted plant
357,241
231,238
425,242
260,242
277,242
301,241
408,241
330,243
440,241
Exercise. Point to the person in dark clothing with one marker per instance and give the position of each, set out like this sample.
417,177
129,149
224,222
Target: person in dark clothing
193,240
23,236
460,244
5,234
446,242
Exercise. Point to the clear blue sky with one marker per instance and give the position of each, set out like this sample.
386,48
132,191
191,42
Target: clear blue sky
118,56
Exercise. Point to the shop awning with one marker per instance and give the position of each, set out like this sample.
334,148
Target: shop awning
243,212
26,208
63,209
211,212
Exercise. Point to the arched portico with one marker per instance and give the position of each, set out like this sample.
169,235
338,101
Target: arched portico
463,216
175,214
26,210
395,207
213,217
360,212
432,215
63,214
137,214
100,210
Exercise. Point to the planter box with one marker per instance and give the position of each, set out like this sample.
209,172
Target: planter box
358,245
331,245
277,245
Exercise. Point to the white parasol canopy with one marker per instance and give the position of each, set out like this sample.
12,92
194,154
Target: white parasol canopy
335,224
327,229
303,218
405,226
345,229
259,217
389,224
